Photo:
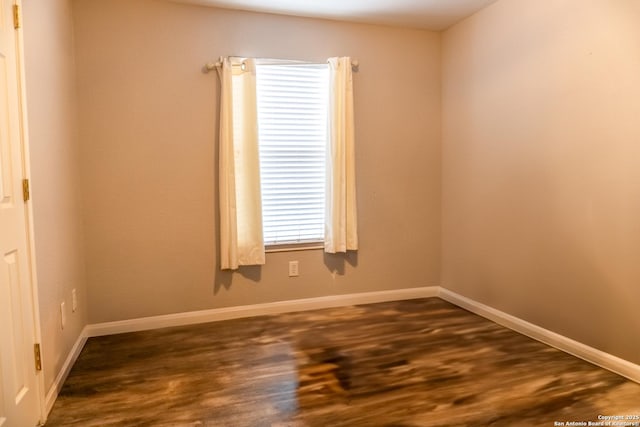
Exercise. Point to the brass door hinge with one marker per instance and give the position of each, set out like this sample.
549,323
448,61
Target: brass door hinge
38,357
25,190
16,16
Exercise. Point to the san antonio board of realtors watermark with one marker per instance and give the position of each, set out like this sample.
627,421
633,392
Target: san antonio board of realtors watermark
605,420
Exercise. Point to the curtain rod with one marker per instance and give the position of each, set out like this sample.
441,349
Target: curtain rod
210,66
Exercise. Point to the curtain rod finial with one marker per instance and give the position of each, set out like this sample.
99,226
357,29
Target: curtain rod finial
210,66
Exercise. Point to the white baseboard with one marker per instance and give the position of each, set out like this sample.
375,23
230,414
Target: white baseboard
55,388
194,317
227,313
590,354
585,352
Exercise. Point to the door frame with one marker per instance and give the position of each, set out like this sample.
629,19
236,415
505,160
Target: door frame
26,174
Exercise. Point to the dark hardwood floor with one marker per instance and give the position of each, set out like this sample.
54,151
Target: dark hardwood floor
419,362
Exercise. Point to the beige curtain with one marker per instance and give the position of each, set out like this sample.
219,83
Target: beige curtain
341,225
241,240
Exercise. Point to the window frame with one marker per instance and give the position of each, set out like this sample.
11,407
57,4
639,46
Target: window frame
293,245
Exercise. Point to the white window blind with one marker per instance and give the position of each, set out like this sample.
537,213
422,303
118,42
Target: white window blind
292,129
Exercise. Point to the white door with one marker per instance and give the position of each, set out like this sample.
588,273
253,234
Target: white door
19,401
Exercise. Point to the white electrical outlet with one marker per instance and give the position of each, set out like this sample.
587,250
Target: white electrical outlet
293,269
74,300
63,315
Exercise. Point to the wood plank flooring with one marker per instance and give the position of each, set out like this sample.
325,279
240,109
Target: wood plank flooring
420,362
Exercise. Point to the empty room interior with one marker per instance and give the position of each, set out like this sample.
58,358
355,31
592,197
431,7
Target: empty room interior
496,275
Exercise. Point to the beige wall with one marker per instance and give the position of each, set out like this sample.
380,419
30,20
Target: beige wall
148,126
541,155
51,95
540,126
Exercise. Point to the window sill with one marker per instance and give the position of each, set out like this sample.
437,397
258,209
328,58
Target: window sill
295,247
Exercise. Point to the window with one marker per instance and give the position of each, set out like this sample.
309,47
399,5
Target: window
286,132
292,133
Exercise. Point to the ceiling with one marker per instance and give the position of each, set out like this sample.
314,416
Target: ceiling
426,14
